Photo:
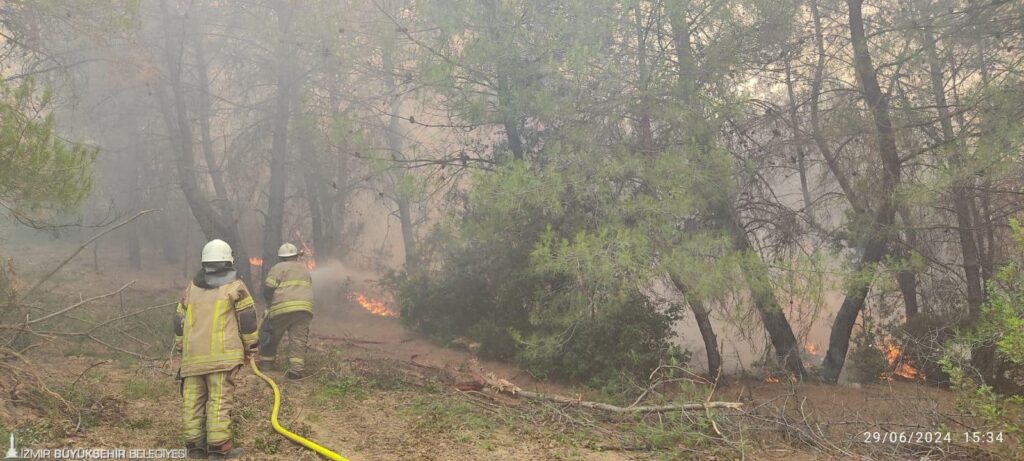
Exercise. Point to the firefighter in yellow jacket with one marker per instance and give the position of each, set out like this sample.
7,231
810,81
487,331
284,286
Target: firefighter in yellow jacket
288,289
215,330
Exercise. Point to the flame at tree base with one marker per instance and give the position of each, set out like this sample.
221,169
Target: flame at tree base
900,366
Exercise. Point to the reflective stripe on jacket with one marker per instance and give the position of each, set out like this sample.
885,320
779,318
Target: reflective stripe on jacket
293,288
210,339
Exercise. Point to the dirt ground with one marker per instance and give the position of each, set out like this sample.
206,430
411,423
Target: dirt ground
377,391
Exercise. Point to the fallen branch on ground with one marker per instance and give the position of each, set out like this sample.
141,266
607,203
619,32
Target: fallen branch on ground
506,387
69,308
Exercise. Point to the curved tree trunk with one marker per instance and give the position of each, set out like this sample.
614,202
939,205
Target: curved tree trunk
885,216
707,332
175,115
787,350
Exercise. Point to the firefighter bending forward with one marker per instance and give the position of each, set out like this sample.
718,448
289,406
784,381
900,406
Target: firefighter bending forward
215,330
289,291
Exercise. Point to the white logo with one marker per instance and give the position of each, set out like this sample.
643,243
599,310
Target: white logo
12,452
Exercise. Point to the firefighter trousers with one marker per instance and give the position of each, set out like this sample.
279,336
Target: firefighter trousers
207,401
296,324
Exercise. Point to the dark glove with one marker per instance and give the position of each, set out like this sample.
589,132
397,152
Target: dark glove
181,382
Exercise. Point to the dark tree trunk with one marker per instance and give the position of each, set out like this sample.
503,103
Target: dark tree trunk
780,332
509,120
801,163
175,115
507,112
962,184
394,139
885,216
906,278
395,142
787,350
273,227
707,332
646,139
204,121
842,327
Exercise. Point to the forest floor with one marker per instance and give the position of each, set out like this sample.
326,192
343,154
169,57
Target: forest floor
377,391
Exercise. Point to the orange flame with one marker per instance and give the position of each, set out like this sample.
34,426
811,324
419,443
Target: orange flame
812,348
894,357
374,307
308,253
256,261
771,380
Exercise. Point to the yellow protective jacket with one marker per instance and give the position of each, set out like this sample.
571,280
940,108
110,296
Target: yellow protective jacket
292,288
207,328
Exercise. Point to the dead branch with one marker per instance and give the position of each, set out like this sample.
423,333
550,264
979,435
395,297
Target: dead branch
79,250
68,309
504,386
86,370
118,349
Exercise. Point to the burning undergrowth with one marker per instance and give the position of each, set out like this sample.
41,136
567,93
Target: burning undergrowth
336,285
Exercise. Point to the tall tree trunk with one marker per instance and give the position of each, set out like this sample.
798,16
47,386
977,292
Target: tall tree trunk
780,332
819,137
961,184
646,139
202,75
175,116
313,194
707,331
801,163
758,276
507,112
885,216
906,278
395,146
273,228
135,204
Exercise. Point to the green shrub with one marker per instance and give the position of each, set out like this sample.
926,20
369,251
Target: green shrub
551,266
995,391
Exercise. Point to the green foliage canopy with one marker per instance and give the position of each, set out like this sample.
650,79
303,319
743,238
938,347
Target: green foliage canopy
40,173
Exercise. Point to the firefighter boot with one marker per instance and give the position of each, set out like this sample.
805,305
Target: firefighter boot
196,449
225,450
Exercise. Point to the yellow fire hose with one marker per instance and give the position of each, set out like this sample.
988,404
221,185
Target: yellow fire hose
285,432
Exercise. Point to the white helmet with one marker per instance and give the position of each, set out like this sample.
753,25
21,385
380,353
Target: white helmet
217,250
287,250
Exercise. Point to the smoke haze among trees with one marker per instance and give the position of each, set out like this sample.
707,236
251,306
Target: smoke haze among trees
562,182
